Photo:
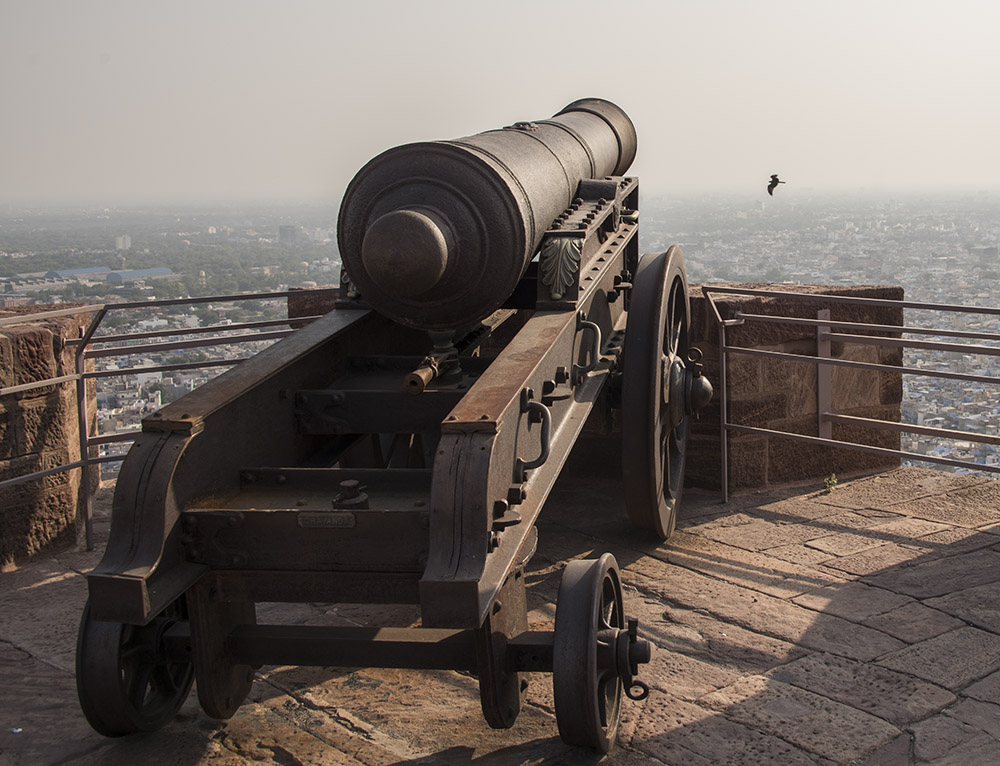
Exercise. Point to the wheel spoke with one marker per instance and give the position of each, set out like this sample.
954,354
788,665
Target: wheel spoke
164,679
138,687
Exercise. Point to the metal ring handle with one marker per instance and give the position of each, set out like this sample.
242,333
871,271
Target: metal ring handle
595,348
520,466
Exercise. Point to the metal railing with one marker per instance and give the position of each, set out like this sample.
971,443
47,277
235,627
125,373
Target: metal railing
827,332
90,346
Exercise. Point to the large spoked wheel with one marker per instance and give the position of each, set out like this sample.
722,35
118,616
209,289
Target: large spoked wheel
124,682
585,680
654,401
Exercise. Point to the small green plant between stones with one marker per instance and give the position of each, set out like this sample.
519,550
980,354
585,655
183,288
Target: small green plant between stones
829,483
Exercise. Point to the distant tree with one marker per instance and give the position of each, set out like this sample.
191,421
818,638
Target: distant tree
165,391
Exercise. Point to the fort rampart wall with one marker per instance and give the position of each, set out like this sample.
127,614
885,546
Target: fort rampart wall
39,430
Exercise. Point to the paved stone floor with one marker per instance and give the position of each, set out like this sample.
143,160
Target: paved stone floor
793,627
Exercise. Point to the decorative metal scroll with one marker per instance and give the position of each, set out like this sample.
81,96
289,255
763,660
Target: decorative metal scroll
559,263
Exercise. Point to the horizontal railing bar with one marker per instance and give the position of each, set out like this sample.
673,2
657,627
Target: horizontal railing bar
863,365
929,345
37,384
150,348
867,326
163,368
41,315
118,436
866,448
58,469
208,299
192,330
912,428
824,298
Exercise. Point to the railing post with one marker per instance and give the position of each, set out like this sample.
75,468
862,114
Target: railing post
84,433
723,413
824,377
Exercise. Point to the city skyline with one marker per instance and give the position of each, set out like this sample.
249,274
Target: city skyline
116,103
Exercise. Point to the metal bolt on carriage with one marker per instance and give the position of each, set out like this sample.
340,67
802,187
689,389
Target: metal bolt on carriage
399,449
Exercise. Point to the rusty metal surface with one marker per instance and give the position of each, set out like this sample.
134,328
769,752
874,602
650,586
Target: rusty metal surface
482,438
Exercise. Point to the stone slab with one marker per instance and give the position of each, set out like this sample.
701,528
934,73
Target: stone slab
894,697
721,643
952,660
979,605
981,715
845,543
971,507
938,576
913,622
987,690
760,613
758,534
894,753
853,601
40,610
810,721
954,540
895,488
945,741
875,533
874,560
740,567
685,677
800,554
678,732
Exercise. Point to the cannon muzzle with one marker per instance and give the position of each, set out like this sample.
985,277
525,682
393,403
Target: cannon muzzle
437,234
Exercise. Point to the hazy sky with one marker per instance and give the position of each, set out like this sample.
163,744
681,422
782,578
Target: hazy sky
120,101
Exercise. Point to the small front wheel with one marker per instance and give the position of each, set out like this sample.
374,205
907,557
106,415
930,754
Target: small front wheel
586,682
123,680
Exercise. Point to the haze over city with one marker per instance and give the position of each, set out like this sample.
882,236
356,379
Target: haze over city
115,103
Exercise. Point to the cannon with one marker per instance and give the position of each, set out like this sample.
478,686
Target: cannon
399,449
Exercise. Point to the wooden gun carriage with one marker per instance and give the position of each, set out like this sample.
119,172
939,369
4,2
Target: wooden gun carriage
399,449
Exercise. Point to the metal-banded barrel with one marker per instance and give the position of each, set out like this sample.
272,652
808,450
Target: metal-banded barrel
437,234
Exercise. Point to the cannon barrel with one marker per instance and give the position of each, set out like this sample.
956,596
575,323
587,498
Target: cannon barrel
436,235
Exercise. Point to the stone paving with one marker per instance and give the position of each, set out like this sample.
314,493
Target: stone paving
793,627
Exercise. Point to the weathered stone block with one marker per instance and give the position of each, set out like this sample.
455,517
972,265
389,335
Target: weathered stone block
6,361
702,466
810,721
952,660
748,462
853,388
798,380
45,423
758,410
312,302
45,520
8,439
894,697
32,355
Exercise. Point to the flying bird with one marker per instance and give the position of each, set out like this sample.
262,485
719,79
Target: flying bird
773,185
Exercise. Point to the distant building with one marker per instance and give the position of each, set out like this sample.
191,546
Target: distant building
123,242
11,301
97,272
287,235
120,277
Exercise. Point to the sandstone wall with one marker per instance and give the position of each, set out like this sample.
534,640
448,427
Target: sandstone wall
781,395
38,430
